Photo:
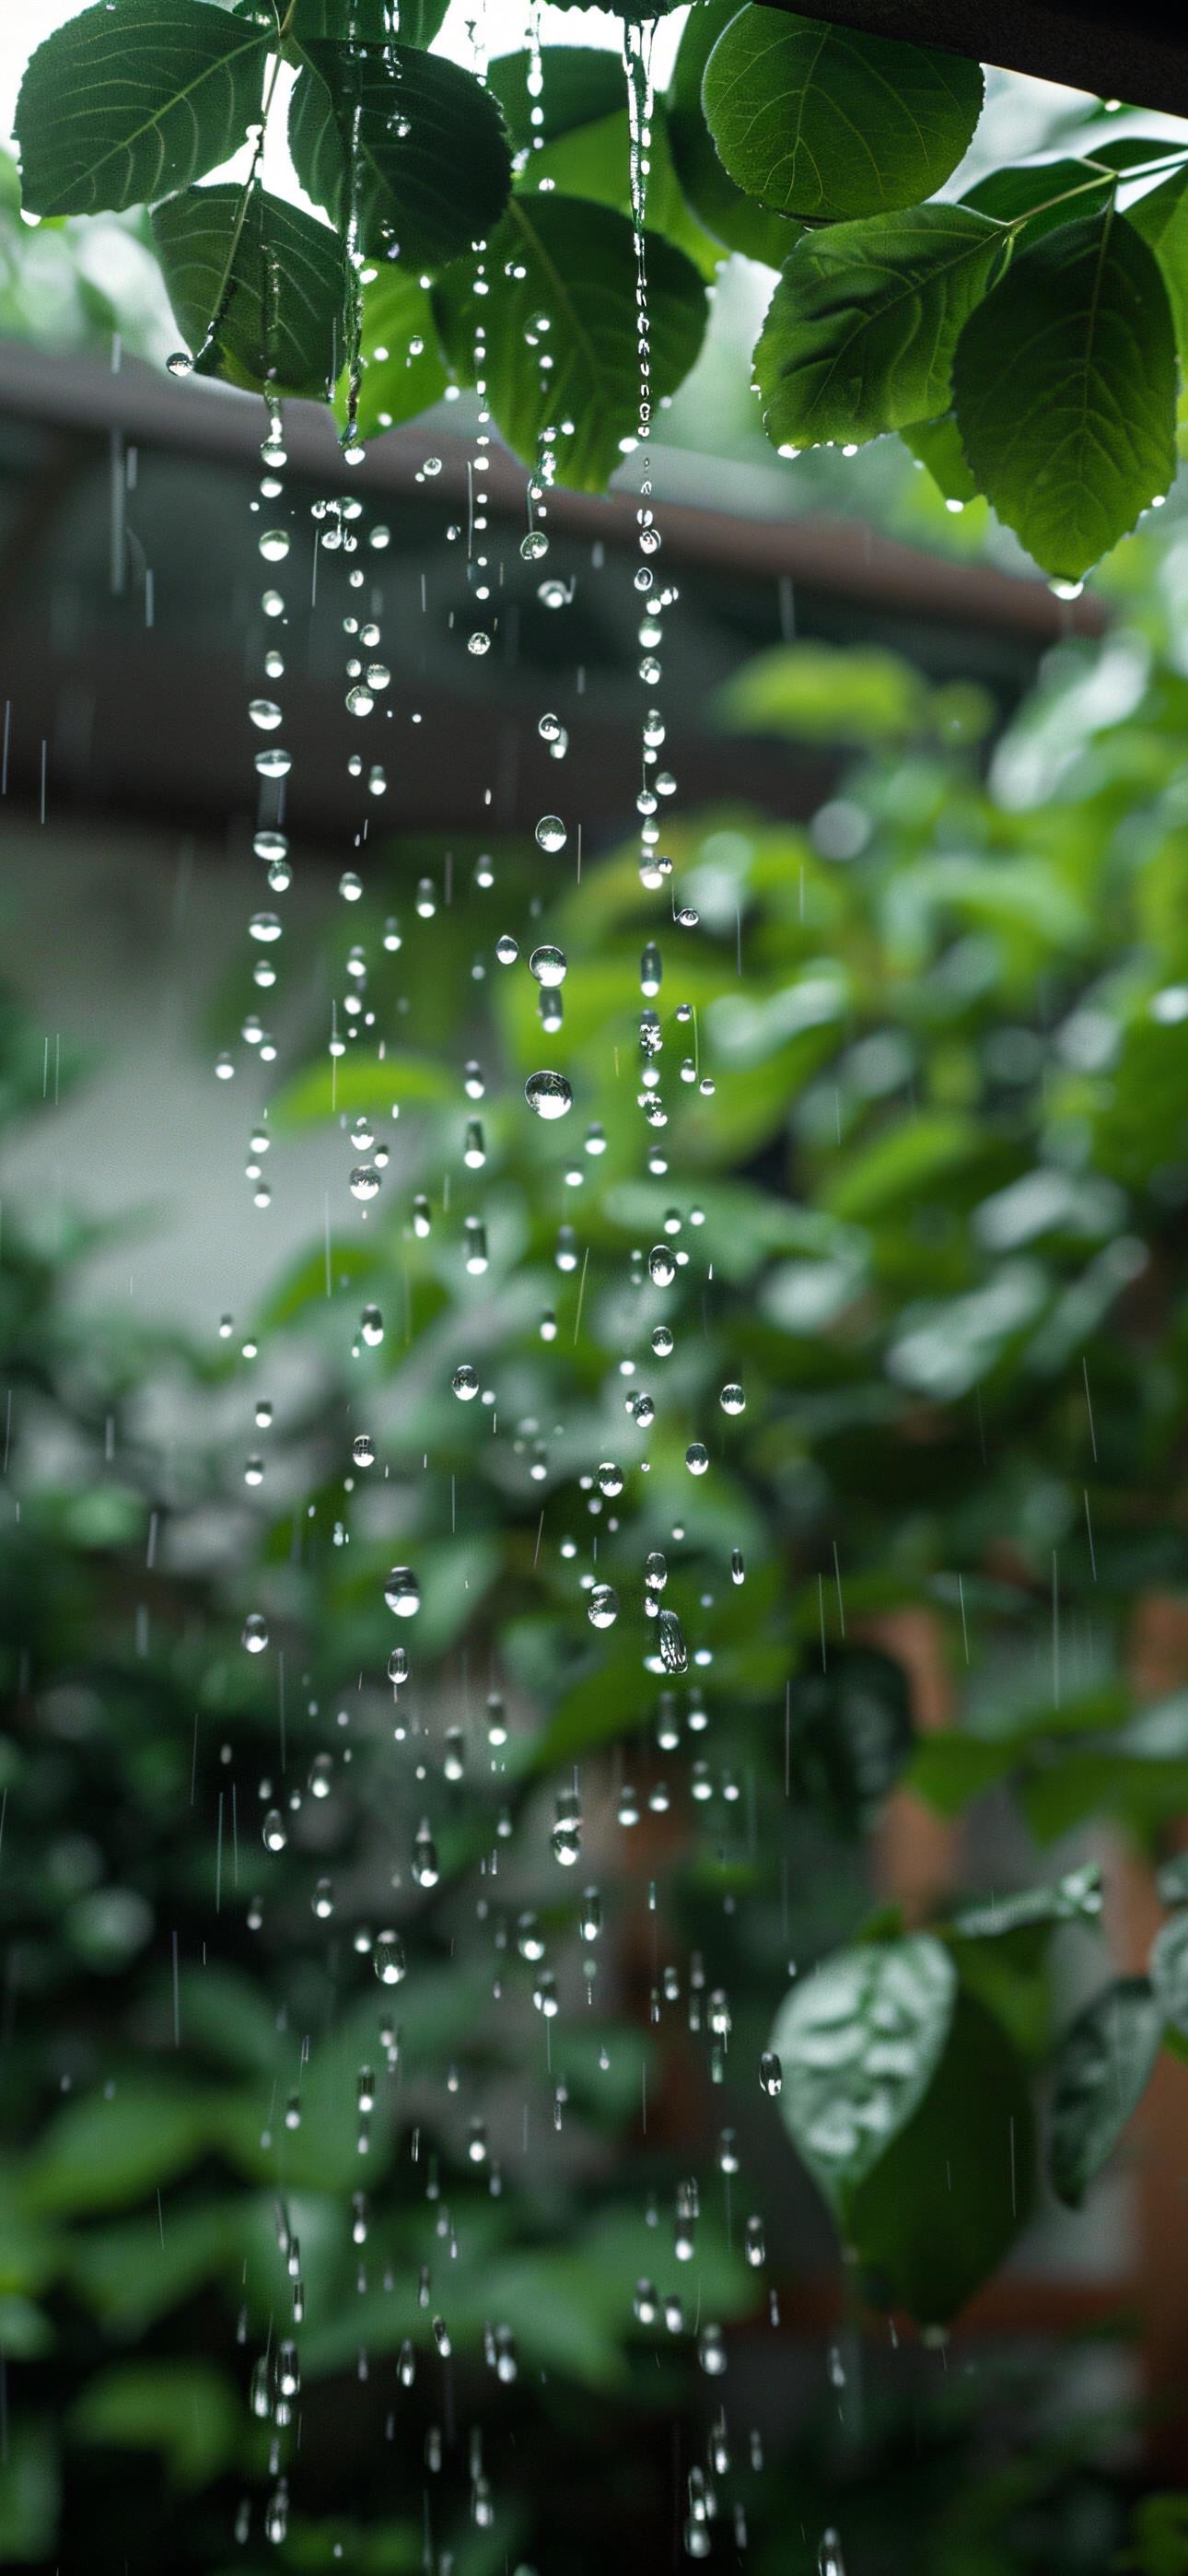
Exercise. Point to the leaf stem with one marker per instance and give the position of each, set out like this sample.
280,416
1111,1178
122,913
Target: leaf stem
1102,170
225,290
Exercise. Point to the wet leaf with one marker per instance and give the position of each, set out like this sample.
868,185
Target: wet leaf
273,287
860,2041
860,333
132,101
431,162
726,211
937,2214
573,263
1065,392
1102,2069
820,121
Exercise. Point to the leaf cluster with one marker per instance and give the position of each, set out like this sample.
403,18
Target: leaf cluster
1025,338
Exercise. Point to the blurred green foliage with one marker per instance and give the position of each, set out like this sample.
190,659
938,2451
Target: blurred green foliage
936,1231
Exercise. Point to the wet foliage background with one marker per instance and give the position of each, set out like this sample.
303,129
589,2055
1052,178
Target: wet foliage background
946,1156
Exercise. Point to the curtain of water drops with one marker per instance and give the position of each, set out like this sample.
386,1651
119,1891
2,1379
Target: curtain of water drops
506,1858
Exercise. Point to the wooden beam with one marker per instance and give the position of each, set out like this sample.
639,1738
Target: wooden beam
843,558
1138,54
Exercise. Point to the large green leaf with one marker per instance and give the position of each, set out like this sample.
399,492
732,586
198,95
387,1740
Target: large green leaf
820,121
272,299
1065,392
859,2043
403,371
727,212
936,2214
1162,219
1102,2070
187,2410
572,263
431,164
135,99
99,2153
861,330
578,85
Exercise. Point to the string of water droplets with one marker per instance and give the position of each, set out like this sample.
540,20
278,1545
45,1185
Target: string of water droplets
340,529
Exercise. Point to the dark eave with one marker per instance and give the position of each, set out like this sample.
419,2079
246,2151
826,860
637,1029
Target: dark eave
1138,54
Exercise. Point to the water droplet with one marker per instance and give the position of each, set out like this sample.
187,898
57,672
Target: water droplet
534,545
732,1399
274,544
365,1181
180,363
771,2072
465,1382
389,1958
265,713
551,833
674,1653
479,642
697,1458
255,1633
549,965
602,1610
548,1094
402,1592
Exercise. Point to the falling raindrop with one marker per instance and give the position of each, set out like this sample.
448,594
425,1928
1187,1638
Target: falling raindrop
548,1094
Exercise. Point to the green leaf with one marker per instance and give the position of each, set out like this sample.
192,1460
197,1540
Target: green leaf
403,370
727,212
99,2153
1169,1971
819,121
275,295
851,1732
937,444
595,161
826,693
185,2409
358,1081
1042,191
573,263
861,330
1160,2536
1065,392
1162,220
128,2277
367,22
432,165
579,85
1102,2068
938,2212
132,102
29,2492
859,2043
